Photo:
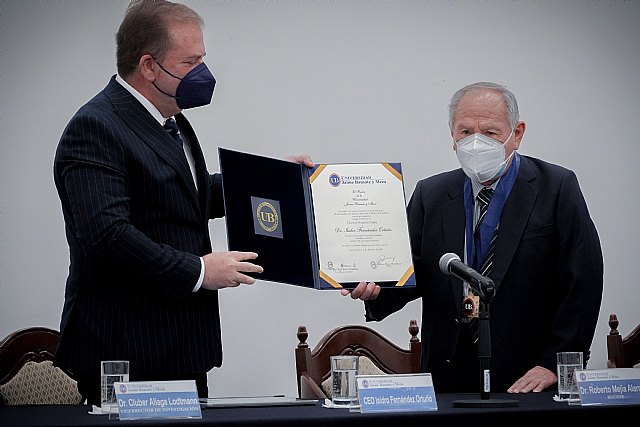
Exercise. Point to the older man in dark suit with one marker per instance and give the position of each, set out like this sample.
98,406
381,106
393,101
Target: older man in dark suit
136,198
536,241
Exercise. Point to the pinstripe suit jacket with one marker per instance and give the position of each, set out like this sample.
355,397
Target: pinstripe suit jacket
548,270
136,226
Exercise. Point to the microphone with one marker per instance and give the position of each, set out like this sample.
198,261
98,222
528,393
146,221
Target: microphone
450,264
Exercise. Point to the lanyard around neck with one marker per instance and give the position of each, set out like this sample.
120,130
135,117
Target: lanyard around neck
475,255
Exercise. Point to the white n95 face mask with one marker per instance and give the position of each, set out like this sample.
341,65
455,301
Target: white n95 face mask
482,158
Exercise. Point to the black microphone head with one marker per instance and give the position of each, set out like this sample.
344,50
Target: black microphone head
445,260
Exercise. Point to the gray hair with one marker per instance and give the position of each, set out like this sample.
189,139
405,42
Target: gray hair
507,95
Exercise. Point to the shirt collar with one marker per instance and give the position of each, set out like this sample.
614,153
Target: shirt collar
476,186
144,101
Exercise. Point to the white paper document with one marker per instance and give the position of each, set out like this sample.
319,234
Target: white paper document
361,223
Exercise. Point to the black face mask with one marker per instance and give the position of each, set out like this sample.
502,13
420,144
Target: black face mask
195,88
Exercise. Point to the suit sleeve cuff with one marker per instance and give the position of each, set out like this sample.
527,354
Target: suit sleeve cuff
201,278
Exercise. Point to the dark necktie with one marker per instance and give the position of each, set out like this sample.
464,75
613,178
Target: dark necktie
483,198
172,128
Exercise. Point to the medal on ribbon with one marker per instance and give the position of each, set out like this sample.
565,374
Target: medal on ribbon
470,306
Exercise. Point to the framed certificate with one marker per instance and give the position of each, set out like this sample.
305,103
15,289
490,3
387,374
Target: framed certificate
329,227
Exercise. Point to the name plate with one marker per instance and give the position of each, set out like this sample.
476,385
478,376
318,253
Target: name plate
396,393
620,386
157,399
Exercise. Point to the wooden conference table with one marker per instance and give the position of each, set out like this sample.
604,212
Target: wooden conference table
536,407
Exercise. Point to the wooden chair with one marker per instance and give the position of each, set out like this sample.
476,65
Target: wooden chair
622,352
27,374
313,366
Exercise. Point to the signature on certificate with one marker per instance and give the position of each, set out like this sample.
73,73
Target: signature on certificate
384,261
342,267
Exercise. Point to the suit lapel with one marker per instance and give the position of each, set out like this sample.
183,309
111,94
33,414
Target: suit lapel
453,227
515,216
146,127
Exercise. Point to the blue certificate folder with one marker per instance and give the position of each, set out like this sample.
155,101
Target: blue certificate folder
269,210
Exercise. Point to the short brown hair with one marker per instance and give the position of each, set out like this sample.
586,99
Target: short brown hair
145,30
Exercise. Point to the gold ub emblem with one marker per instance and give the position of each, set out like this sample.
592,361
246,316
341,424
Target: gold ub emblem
267,216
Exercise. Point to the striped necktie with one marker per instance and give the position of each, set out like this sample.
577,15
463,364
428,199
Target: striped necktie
483,198
172,128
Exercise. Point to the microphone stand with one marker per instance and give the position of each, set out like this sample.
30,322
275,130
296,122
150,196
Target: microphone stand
486,292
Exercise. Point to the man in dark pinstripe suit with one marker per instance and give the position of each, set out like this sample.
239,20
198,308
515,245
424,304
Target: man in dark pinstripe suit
143,280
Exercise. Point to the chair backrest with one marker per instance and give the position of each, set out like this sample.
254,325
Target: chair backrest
313,366
27,374
622,352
